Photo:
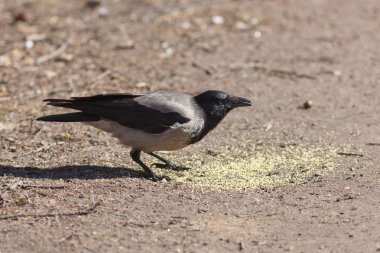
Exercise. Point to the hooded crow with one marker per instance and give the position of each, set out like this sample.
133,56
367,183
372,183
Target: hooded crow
163,120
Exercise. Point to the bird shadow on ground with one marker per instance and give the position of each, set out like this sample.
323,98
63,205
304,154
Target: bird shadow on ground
86,172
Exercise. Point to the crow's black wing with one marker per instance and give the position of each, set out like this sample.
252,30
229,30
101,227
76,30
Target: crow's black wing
123,109
96,98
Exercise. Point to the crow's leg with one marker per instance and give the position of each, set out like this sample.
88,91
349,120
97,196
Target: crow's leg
135,154
167,163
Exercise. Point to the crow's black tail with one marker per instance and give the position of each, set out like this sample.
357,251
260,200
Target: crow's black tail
70,117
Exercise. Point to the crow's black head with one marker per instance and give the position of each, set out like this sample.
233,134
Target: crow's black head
215,102
215,105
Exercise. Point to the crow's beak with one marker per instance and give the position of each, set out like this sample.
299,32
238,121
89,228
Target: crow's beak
234,102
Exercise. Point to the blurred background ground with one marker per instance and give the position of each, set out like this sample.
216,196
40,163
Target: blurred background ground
69,187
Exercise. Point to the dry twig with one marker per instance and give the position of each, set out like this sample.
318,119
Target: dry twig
39,215
373,144
269,71
98,78
350,154
43,186
204,69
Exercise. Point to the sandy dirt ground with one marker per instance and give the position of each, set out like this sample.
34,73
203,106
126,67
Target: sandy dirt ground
283,175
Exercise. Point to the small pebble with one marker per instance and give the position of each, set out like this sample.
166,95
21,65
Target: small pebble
186,25
36,37
128,44
257,34
65,57
50,74
92,3
241,25
164,44
308,104
5,61
29,44
103,12
142,85
217,20
254,21
19,17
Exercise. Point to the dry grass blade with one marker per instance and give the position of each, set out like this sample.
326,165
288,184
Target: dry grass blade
53,54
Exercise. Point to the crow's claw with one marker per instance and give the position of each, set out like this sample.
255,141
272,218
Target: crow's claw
157,178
